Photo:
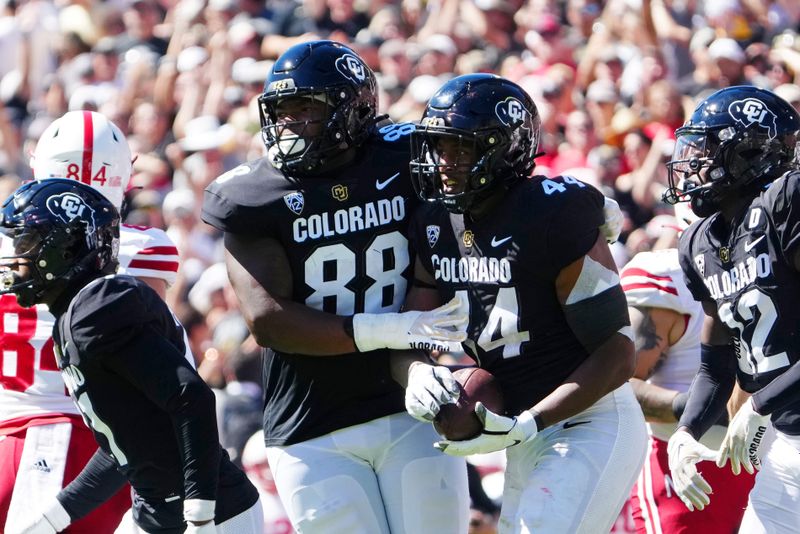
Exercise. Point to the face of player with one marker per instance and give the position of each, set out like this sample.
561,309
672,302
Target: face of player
456,157
302,116
692,158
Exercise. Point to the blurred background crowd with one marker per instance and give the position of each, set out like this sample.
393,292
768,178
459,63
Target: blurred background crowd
612,80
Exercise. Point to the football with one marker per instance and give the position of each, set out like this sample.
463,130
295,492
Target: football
458,421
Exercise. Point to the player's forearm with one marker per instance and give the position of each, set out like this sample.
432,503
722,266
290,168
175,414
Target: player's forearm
657,403
193,417
297,329
710,389
606,369
97,482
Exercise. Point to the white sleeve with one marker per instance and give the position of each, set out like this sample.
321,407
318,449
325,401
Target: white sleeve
148,252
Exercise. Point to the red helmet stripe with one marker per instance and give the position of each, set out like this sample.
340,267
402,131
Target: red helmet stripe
88,148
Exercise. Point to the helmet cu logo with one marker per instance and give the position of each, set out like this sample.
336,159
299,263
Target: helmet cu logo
68,207
351,68
752,111
511,112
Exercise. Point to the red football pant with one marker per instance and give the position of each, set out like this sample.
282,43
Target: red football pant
657,509
82,446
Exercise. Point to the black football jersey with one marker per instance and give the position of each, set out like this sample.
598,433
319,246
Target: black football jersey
504,266
345,235
746,269
123,359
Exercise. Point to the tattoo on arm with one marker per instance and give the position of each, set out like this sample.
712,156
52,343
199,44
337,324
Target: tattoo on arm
647,338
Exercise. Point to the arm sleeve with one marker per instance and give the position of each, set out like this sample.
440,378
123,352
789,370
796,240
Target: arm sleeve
122,334
97,482
710,389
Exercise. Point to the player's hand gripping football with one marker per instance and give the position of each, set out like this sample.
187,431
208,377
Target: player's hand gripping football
745,434
442,329
429,387
499,432
612,226
684,453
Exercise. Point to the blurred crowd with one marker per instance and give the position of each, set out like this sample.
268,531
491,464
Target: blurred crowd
612,80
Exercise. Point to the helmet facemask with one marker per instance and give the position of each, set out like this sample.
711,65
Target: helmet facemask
457,167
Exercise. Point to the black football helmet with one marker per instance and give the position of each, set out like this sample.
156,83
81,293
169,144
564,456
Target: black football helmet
62,230
736,141
496,126
328,72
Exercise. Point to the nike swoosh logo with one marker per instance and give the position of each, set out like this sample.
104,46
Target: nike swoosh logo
569,424
381,185
497,242
749,246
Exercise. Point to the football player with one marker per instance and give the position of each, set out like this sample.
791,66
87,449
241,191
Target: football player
547,316
735,161
43,441
122,357
316,245
666,324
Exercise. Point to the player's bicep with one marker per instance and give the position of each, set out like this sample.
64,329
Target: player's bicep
651,328
259,271
714,331
159,285
423,294
591,296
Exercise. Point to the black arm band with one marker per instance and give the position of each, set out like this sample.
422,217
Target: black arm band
348,327
781,392
711,388
679,406
595,319
97,483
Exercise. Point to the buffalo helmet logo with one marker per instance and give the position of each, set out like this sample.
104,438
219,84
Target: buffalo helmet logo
295,202
68,208
351,68
432,230
753,111
511,112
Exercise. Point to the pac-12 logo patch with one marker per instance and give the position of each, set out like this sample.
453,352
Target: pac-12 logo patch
700,263
351,68
295,202
432,230
69,207
511,112
753,111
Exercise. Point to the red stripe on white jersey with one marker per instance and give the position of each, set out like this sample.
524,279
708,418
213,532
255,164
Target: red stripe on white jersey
164,251
154,265
635,271
88,148
649,285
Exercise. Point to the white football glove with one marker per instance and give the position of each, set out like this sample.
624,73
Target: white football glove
442,329
744,436
499,432
51,519
199,516
684,453
612,227
429,387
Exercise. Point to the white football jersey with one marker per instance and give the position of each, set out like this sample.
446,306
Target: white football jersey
30,382
655,280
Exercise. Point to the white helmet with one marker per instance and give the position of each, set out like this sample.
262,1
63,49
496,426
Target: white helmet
85,146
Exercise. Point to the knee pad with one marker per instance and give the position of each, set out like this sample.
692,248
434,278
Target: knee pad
336,504
435,496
